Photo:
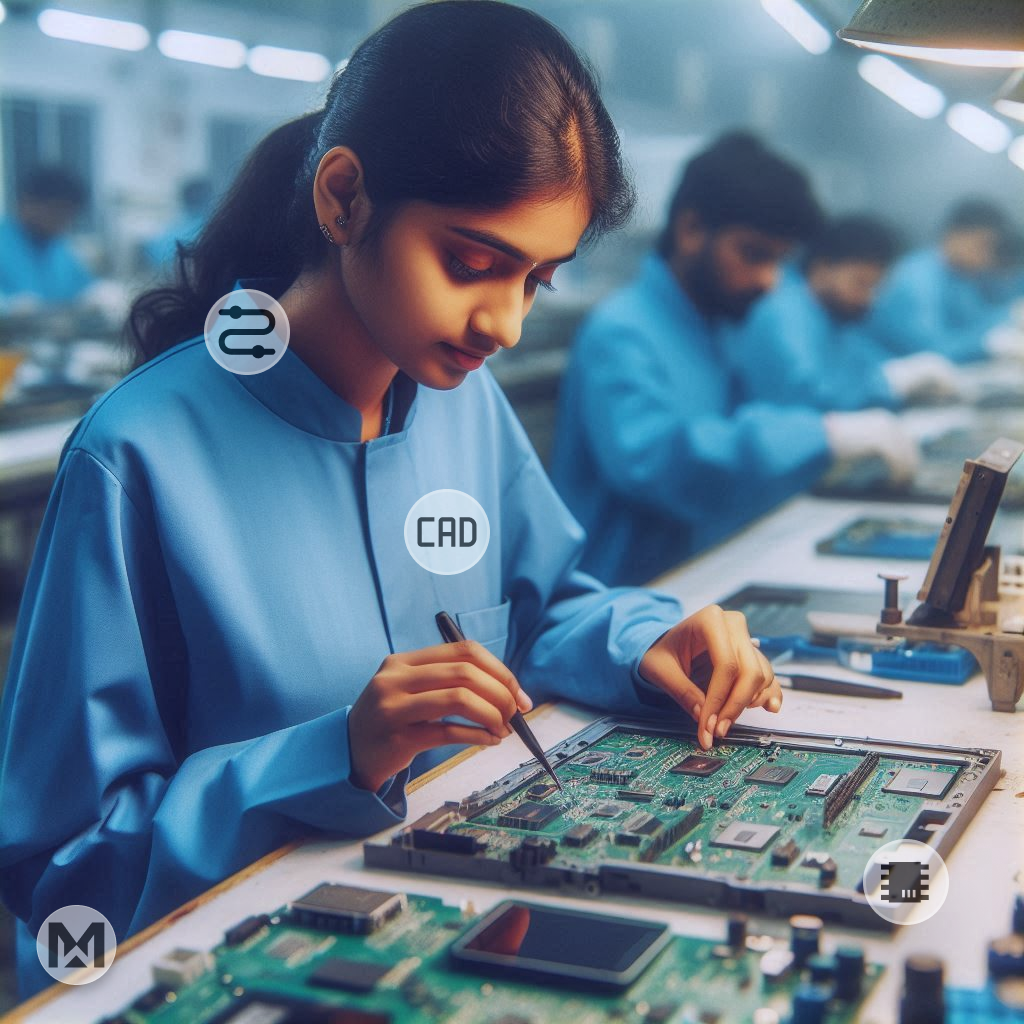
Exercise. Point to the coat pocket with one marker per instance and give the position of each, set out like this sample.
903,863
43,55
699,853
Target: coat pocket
487,626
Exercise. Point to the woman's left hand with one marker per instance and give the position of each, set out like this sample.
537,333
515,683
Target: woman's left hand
741,676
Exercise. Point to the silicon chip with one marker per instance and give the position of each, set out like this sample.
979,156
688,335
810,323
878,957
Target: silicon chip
744,835
638,752
579,835
529,816
642,824
919,782
606,811
643,796
628,838
772,774
541,791
697,764
594,757
238,933
822,785
784,854
344,908
350,975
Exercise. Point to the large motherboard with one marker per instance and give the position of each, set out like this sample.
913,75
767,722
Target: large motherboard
766,821
343,955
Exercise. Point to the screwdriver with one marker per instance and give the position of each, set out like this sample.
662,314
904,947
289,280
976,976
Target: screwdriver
451,634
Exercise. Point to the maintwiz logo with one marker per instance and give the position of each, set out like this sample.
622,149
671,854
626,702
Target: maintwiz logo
76,945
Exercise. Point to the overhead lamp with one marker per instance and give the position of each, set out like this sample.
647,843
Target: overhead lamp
198,48
86,28
979,126
800,24
277,62
1010,100
900,85
977,33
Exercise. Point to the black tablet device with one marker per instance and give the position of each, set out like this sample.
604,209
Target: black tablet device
573,946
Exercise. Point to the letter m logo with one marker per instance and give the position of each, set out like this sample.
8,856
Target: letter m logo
58,933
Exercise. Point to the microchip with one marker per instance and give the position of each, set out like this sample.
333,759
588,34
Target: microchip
873,830
593,758
745,835
697,764
344,908
530,816
606,811
628,838
919,782
580,835
638,752
614,777
641,823
238,933
288,945
180,967
822,785
541,791
642,796
772,774
350,975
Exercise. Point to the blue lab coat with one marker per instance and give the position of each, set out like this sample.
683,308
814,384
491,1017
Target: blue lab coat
790,350
924,305
220,571
656,452
50,270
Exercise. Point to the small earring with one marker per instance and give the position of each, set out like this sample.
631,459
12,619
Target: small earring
327,234
341,221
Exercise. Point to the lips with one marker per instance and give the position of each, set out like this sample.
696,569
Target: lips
465,360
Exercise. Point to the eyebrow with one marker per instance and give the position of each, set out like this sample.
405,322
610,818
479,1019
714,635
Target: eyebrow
486,238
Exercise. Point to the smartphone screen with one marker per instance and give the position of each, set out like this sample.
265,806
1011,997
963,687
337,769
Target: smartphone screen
566,943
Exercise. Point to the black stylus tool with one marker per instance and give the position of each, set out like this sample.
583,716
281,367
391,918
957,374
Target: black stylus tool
451,634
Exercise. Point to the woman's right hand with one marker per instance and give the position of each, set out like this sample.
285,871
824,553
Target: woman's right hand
399,713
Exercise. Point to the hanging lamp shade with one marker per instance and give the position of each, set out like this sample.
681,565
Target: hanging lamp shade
1010,100
978,33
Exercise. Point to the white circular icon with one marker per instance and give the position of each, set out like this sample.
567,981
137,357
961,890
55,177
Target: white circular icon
246,331
906,882
76,945
447,532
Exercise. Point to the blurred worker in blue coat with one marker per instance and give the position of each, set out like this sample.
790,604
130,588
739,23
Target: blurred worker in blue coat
938,300
805,343
196,201
37,265
658,452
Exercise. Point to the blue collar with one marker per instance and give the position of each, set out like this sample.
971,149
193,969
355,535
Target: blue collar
658,276
294,392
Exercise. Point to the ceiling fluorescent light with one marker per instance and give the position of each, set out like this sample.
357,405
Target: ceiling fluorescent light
901,86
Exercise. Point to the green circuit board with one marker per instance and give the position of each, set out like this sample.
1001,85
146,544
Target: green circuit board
787,822
401,972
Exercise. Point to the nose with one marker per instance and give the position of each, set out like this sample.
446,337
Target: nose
499,317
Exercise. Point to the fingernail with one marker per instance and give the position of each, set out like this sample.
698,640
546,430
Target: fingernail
524,701
492,739
698,709
712,719
705,739
723,727
774,704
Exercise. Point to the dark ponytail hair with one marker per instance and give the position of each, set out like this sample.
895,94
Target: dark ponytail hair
471,103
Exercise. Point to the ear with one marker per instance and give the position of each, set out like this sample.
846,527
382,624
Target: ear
339,193
689,233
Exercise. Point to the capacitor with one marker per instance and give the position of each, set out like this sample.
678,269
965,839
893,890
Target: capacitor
810,1003
822,968
923,1001
805,936
1006,957
849,972
736,931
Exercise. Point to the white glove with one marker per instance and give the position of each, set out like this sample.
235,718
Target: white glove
873,434
1005,342
924,375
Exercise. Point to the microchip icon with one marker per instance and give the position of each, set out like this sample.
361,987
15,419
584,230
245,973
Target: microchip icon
905,881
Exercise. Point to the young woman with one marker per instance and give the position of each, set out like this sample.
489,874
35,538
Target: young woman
224,642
